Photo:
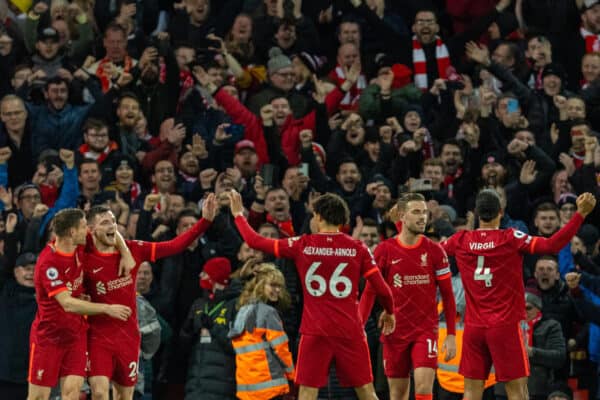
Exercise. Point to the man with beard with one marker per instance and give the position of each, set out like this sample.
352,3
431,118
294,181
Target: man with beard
458,180
90,177
57,123
414,267
98,146
110,359
187,174
274,206
128,114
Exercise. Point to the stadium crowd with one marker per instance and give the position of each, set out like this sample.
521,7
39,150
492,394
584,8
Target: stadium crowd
148,106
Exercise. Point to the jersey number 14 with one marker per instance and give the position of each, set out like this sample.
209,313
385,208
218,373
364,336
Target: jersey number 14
483,273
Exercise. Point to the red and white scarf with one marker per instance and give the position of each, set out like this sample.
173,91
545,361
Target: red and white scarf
285,227
531,326
85,151
420,63
350,100
592,44
105,80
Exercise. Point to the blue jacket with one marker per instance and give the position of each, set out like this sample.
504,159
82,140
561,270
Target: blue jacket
68,196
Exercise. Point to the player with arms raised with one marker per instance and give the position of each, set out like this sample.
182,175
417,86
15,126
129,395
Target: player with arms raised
114,346
330,265
58,334
490,261
414,267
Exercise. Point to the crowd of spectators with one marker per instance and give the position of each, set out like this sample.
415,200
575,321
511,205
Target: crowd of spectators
106,102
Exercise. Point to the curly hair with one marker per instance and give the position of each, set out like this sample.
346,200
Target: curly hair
254,290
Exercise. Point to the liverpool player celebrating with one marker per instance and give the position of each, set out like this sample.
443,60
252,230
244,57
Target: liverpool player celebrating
58,333
330,264
114,345
414,267
490,261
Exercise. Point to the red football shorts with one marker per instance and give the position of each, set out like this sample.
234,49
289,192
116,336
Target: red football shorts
119,364
49,362
502,346
316,353
400,357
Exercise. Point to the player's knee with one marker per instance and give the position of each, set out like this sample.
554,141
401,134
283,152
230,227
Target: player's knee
37,396
70,393
99,390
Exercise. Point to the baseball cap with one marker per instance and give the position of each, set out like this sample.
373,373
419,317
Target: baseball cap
554,69
48,33
244,144
567,198
26,258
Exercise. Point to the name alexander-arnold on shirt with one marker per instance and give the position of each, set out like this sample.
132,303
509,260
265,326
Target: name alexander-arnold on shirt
328,251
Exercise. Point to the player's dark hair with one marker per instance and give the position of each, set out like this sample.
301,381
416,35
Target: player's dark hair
408,197
95,211
332,208
66,219
487,205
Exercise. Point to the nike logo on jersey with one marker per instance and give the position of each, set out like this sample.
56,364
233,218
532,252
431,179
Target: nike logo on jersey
96,270
396,261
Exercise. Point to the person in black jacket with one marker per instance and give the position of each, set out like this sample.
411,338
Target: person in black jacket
17,311
211,373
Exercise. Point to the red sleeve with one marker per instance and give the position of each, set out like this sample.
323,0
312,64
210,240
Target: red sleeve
445,286
252,124
179,243
166,151
448,245
333,100
256,219
366,303
383,291
253,239
53,279
553,244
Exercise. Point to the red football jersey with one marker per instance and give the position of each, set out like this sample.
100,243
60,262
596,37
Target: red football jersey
56,272
412,273
104,285
491,268
330,266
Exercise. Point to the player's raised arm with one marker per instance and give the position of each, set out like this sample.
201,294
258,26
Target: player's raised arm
181,242
249,235
82,307
540,245
127,262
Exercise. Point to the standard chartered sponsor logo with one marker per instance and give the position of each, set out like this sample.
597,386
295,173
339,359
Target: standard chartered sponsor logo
400,281
103,288
100,288
397,280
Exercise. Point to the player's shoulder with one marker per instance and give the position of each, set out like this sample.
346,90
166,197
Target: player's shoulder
432,245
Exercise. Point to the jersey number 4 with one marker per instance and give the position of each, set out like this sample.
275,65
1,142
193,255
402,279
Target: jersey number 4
336,281
483,273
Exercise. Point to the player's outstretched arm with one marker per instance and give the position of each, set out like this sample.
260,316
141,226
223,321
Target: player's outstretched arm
181,242
540,245
82,307
127,262
249,235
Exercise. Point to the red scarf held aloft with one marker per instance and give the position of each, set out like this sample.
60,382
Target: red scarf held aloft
350,100
420,63
530,326
104,78
85,151
286,227
592,44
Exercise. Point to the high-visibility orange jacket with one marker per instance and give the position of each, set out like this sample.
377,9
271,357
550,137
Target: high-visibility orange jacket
262,358
447,371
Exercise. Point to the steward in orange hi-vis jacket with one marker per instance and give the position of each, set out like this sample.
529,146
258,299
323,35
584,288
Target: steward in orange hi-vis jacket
263,360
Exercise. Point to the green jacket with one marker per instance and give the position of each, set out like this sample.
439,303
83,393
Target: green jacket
372,106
